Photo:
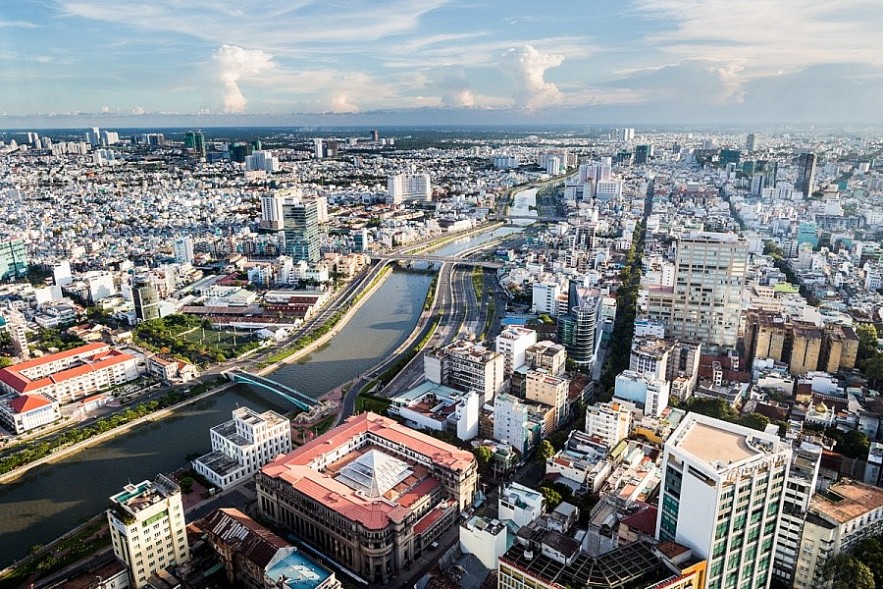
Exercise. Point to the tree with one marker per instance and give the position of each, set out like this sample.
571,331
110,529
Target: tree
186,484
870,552
552,497
847,572
545,451
483,455
754,421
5,361
867,340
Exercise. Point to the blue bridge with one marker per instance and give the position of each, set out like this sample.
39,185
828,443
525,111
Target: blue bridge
298,398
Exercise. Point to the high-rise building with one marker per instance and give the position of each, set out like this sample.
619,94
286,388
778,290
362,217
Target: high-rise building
512,343
611,422
799,490
730,156
371,494
642,154
183,247
704,305
751,142
195,140
547,355
649,393
409,187
146,299
13,259
549,390
468,367
721,494
545,297
577,330
301,228
147,528
517,423
262,161
806,173
318,148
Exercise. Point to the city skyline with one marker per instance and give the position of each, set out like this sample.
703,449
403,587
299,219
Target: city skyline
678,61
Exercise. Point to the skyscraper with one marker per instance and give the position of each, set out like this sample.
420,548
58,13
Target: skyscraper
300,222
13,259
705,303
146,299
806,173
721,495
751,142
183,248
642,154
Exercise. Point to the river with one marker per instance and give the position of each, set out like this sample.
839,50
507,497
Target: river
51,499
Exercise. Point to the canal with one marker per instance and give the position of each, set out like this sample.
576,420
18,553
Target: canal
53,498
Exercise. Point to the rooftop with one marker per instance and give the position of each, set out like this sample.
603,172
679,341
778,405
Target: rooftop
721,444
847,500
135,498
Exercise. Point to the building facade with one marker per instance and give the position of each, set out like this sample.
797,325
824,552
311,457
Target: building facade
370,494
512,343
300,221
147,528
466,366
722,491
241,446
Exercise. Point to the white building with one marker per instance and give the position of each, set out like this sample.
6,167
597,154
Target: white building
519,504
610,422
545,297
22,413
648,393
241,446
799,490
262,161
512,343
147,528
486,538
439,408
721,495
582,464
404,187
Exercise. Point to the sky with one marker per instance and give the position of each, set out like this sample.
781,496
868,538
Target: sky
446,61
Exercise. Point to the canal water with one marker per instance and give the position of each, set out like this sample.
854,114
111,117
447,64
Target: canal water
51,499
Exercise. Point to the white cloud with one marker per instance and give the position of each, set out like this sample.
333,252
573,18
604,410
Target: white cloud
528,68
234,64
340,104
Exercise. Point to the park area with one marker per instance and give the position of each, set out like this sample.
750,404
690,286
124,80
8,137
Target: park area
193,339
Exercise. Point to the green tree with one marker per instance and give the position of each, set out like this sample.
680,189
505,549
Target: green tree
847,572
754,421
186,484
872,368
484,456
870,552
545,451
552,497
867,340
5,361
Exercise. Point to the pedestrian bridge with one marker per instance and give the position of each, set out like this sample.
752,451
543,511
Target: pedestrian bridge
299,399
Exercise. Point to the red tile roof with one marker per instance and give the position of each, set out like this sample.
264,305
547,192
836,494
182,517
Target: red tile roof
98,356
295,469
25,403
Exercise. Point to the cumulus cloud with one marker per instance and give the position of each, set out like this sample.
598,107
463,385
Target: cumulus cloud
689,81
528,68
450,82
340,104
236,63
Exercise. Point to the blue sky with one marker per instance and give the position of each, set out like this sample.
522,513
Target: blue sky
581,61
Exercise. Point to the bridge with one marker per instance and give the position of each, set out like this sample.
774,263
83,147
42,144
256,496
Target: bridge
493,217
299,399
439,259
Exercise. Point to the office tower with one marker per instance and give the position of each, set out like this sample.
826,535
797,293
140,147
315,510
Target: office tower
409,187
799,489
360,240
837,520
721,495
751,142
147,528
183,247
240,151
545,297
318,148
705,303
13,259
93,136
611,422
577,328
262,161
806,173
730,156
241,446
512,343
371,494
145,298
642,154
375,135
300,222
